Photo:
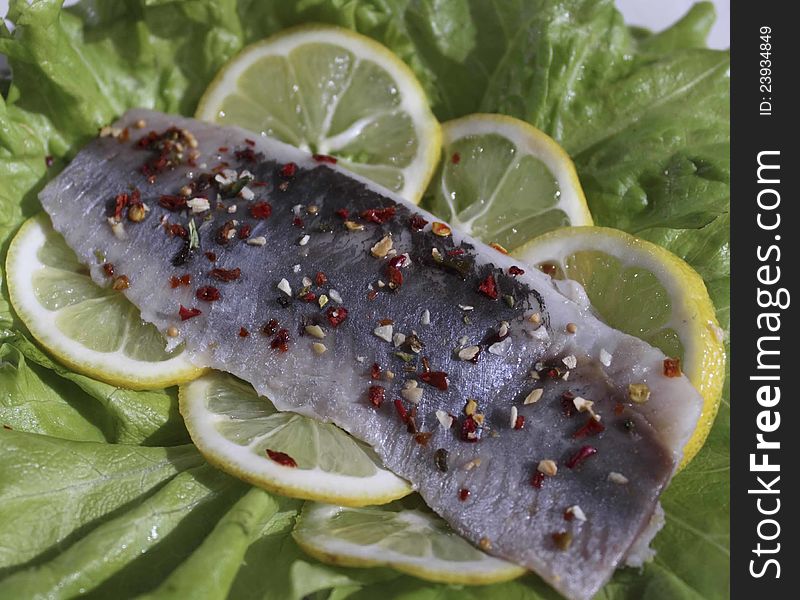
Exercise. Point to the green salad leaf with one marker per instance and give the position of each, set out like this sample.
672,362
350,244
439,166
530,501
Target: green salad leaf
100,492
53,491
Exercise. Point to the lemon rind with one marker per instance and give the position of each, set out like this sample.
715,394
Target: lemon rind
703,347
307,484
115,368
426,126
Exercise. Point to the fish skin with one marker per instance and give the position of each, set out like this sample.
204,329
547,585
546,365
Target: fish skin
503,508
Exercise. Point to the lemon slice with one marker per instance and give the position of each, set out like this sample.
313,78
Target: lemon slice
644,290
404,535
91,329
504,181
244,435
329,90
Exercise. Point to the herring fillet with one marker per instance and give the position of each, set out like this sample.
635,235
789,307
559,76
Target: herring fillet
616,488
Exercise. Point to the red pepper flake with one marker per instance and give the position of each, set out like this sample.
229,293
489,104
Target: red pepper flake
463,494
590,428
226,274
417,223
147,140
469,430
208,293
261,210
455,252
282,458
437,379
375,371
222,149
48,161
401,410
568,515
398,261
270,327
325,158
456,158
281,340
288,170
376,395
395,277
249,142
244,231
211,256
488,287
120,202
336,315
243,332
177,230
538,479
259,184
245,155
619,408
581,455
549,373
378,215
321,279
672,367
298,222
309,297
567,404
183,280
188,313
372,295
515,270
519,423
108,269
172,203
423,437
343,213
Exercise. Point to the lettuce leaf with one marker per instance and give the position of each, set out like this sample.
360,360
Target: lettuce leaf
45,397
645,117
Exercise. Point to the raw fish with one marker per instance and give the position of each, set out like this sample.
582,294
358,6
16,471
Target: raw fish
339,300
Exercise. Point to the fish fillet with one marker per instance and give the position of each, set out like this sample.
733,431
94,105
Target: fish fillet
282,248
